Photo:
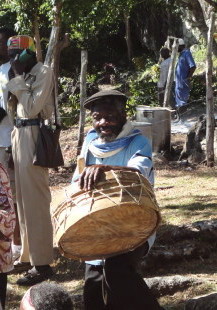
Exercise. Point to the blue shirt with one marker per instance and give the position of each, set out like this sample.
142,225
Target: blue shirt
138,154
185,62
182,89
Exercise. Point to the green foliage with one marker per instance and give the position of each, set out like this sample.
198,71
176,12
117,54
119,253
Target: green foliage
143,88
69,104
92,78
199,54
143,92
69,111
7,17
198,87
139,62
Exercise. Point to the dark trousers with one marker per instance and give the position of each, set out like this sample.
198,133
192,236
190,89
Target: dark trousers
117,285
3,288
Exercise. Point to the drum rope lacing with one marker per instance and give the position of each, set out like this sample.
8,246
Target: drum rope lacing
123,188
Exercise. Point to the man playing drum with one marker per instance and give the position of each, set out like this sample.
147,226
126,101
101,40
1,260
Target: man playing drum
114,283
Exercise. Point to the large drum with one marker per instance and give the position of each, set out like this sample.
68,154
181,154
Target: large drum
117,216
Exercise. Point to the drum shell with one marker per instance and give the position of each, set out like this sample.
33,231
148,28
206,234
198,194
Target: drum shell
118,216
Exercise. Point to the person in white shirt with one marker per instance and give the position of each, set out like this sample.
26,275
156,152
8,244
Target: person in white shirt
6,124
164,69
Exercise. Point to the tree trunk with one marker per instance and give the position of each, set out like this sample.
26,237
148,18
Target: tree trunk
170,77
83,94
37,40
209,97
198,20
51,56
128,36
60,46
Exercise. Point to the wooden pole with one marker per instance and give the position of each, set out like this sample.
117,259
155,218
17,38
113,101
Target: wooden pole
83,94
170,77
210,121
37,39
54,37
128,36
51,55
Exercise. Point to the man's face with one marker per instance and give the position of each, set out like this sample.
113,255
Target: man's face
26,303
3,47
13,52
107,120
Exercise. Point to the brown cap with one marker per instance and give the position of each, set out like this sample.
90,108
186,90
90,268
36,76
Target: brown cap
104,93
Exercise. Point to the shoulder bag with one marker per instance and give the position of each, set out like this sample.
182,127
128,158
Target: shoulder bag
48,152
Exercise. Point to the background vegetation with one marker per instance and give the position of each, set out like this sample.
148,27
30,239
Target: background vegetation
100,26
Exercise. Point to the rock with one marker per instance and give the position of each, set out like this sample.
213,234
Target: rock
192,241
159,159
183,163
206,302
206,225
170,284
189,169
192,150
160,256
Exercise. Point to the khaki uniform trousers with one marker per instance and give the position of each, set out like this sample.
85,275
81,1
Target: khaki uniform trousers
33,199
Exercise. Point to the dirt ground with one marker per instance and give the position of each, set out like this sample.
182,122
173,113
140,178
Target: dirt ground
69,272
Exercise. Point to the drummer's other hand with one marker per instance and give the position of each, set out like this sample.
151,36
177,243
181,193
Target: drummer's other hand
90,176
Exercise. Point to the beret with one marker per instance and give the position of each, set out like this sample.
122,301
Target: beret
104,93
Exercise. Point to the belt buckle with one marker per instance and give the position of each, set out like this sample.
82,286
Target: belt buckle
23,122
20,123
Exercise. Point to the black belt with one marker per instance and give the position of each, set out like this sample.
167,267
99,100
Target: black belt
20,122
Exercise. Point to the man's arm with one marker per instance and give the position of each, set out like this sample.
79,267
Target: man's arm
92,174
191,72
35,97
191,63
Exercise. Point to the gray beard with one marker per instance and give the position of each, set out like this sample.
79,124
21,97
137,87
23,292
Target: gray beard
107,139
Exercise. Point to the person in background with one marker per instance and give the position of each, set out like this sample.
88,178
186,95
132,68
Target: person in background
184,70
164,69
113,144
46,296
6,127
7,225
31,88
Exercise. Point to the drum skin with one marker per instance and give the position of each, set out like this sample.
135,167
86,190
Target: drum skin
120,214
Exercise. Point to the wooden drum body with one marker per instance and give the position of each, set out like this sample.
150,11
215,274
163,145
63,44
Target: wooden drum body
120,214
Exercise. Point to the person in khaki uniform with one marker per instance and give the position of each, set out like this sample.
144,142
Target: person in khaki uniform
31,88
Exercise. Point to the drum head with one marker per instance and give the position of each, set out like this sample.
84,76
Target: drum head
94,237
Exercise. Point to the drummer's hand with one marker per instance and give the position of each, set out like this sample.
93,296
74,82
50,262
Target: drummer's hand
17,67
90,176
